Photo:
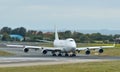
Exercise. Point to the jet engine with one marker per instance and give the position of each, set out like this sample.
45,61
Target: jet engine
87,52
100,50
25,50
44,51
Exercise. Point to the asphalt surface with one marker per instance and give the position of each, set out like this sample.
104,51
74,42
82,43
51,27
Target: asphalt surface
37,58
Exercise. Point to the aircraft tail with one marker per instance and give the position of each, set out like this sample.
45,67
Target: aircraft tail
56,34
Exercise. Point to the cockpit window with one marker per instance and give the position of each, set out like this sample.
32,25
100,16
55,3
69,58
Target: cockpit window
71,40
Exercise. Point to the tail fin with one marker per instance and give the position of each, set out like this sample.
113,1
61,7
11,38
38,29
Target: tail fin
56,34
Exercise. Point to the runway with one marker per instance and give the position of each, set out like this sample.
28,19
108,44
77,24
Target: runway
36,58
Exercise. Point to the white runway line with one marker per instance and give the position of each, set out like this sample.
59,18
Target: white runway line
20,59
46,63
23,61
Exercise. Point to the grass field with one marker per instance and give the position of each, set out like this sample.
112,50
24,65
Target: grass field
3,53
112,66
107,52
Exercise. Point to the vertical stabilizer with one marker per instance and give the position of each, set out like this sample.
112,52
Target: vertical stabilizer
56,34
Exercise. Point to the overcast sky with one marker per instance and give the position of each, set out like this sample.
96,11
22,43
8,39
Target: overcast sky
66,14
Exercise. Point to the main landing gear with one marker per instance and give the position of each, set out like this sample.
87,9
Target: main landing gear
63,54
56,54
66,55
73,55
59,54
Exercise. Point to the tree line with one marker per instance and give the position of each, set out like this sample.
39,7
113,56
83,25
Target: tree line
34,35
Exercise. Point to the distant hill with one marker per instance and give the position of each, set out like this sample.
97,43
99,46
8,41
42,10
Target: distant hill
104,31
113,32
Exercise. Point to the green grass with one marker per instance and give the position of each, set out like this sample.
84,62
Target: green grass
111,52
107,52
3,53
112,66
46,44
94,44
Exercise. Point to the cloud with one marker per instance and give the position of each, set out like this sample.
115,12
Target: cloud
73,11
100,13
70,9
36,12
36,7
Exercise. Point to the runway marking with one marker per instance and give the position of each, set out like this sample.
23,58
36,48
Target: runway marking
27,61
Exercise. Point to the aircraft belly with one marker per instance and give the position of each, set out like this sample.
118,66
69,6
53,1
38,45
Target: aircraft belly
68,49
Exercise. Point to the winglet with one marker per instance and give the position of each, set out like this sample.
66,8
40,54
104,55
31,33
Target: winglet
114,44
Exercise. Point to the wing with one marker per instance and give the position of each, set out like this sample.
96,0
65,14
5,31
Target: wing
25,47
19,46
93,48
96,48
44,48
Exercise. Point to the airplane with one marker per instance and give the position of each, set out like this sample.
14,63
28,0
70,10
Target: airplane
65,47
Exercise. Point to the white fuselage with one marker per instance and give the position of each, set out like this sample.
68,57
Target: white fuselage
67,45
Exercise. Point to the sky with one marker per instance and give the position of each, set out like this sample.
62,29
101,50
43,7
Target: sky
65,14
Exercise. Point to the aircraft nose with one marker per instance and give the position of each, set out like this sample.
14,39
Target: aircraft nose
73,45
73,49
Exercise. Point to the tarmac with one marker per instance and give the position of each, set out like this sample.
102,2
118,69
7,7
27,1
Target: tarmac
33,58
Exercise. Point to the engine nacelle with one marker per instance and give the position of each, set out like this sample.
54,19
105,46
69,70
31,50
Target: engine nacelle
100,50
87,52
44,51
78,51
25,50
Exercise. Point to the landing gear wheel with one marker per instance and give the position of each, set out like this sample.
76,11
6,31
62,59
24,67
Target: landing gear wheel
66,54
59,54
54,55
73,54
